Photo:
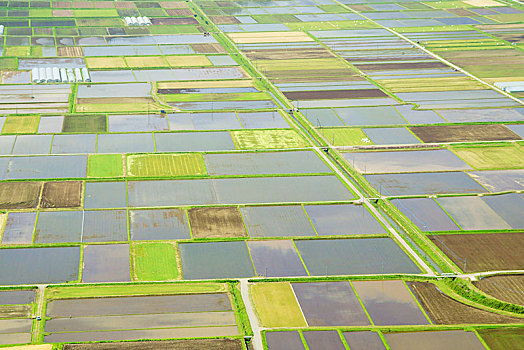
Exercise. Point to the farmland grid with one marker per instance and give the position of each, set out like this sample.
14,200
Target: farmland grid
243,155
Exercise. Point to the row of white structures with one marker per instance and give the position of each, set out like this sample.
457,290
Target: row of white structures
1,29
59,75
137,21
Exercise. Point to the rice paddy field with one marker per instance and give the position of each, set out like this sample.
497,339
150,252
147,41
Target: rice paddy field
261,175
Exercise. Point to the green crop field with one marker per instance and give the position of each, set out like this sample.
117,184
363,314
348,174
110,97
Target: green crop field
153,165
21,125
154,261
276,305
105,165
261,139
345,136
492,157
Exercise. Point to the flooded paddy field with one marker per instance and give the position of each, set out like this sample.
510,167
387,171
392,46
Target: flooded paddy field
140,317
434,340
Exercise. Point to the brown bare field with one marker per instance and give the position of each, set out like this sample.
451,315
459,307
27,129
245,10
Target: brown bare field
183,344
173,4
394,66
288,54
464,133
173,21
208,48
334,94
19,195
69,51
63,13
124,5
224,19
360,8
182,12
312,75
513,38
14,311
445,310
462,12
216,222
508,288
62,194
484,252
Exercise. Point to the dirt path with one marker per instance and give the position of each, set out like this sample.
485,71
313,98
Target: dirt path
257,335
39,310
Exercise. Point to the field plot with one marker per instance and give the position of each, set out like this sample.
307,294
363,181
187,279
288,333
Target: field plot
147,317
39,265
158,224
105,165
406,184
216,222
321,339
276,258
482,252
426,214
389,303
19,195
464,133
472,213
330,304
492,157
300,162
504,338
19,228
66,194
343,220
182,344
442,309
278,221
405,161
508,288
364,339
216,260
354,256
434,340
154,261
284,340
106,263
15,313
159,165
276,305
262,139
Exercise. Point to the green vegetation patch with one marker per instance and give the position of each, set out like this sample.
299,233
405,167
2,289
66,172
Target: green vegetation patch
105,165
155,261
154,165
133,289
8,63
264,139
85,123
276,305
492,157
17,51
21,125
345,136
